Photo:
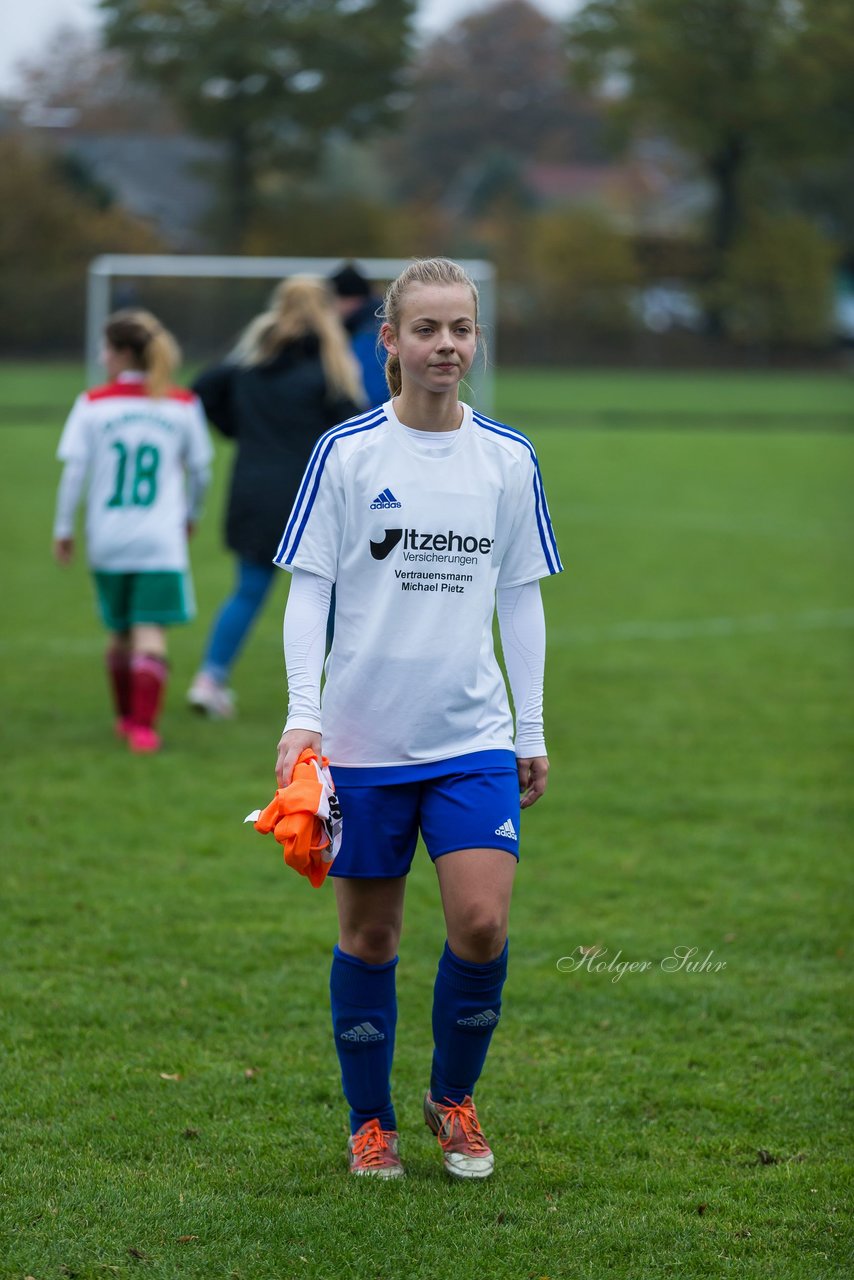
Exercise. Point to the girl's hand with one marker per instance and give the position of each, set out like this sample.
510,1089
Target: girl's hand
63,550
291,744
533,776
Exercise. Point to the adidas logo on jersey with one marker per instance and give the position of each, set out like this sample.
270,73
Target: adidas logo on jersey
364,1033
507,829
489,1018
385,501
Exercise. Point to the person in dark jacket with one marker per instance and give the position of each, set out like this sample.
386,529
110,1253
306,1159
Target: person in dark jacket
359,311
291,377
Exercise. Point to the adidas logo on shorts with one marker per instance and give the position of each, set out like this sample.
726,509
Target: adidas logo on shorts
362,1034
507,829
488,1018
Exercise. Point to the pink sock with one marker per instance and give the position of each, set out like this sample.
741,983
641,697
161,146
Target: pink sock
118,674
148,676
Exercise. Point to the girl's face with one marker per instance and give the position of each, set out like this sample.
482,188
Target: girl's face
436,340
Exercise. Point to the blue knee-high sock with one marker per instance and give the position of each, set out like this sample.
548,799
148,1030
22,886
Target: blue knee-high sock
364,1017
466,1009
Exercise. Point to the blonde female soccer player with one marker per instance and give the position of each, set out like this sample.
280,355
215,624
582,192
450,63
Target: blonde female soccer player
424,514
141,445
291,377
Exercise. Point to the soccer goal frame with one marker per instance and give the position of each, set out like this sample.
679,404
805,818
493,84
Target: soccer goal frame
107,268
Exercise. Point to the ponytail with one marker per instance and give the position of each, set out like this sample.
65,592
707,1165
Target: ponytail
392,375
299,307
155,352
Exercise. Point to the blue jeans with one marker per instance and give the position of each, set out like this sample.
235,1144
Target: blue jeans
234,620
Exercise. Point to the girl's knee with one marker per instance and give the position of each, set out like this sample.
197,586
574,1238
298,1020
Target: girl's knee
480,936
375,943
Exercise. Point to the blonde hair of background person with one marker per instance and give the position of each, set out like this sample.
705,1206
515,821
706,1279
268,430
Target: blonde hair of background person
299,306
290,377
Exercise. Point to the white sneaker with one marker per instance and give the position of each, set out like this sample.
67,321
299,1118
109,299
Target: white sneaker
211,698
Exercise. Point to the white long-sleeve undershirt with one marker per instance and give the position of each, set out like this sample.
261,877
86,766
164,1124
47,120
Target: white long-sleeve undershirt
521,624
68,496
522,627
304,634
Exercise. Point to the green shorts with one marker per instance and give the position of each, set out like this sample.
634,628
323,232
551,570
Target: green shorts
128,599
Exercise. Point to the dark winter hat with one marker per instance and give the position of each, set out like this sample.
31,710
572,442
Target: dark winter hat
350,283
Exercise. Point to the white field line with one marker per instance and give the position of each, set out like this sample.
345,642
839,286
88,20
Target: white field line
700,521
56,646
701,628
636,629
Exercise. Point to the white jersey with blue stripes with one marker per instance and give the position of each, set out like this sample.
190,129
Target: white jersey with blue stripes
417,540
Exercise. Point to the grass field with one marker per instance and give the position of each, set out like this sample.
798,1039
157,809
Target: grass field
170,1098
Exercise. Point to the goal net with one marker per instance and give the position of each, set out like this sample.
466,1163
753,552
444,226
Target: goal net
206,301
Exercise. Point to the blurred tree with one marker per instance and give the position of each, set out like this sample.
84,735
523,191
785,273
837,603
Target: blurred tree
269,79
817,175
49,233
320,227
777,284
95,85
487,97
584,271
79,176
734,82
566,281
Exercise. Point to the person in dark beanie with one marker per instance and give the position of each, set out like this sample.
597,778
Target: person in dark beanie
358,308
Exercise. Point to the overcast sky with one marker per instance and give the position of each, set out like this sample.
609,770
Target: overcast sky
26,25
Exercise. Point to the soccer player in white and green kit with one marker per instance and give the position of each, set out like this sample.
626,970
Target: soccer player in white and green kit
426,515
140,447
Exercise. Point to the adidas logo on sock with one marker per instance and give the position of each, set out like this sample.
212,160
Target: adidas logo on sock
385,501
488,1018
362,1034
507,829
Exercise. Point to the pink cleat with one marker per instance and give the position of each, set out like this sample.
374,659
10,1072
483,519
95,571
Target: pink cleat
142,740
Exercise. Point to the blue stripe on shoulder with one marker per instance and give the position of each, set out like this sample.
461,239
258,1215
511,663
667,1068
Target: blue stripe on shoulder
502,428
541,509
311,480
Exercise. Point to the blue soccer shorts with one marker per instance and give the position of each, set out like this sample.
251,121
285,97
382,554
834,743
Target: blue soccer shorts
477,809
